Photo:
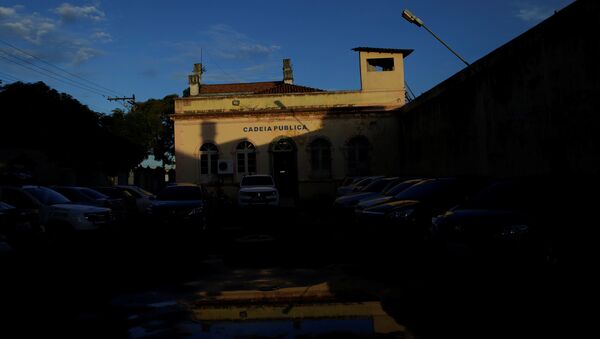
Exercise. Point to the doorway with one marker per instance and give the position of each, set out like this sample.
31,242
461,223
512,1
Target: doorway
284,166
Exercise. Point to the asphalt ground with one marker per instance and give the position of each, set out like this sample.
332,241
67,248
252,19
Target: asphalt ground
136,281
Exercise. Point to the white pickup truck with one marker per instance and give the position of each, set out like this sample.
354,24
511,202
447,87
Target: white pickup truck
258,190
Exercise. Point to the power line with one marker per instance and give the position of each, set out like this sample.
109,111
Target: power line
19,61
9,77
59,68
130,100
50,76
12,78
410,90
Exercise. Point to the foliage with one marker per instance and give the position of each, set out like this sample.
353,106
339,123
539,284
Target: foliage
37,118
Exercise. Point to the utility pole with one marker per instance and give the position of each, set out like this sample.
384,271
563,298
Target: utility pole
129,100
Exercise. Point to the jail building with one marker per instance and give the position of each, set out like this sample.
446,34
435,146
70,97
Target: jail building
307,138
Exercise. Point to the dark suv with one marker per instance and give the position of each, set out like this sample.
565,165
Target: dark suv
180,205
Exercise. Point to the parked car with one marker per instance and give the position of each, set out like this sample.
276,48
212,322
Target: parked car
415,206
57,214
180,206
508,218
375,188
357,185
258,190
88,196
129,201
17,226
143,198
391,194
347,181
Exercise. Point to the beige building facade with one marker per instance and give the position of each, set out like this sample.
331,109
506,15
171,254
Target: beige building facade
308,139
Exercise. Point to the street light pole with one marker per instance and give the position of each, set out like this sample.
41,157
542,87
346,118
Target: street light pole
413,19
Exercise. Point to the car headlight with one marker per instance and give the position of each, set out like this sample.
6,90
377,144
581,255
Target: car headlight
196,211
402,214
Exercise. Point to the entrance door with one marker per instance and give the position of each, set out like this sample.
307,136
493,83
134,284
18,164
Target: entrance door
285,167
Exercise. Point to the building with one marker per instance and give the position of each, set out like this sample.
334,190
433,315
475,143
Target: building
307,138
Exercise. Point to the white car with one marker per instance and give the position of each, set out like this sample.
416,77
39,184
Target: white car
55,210
258,190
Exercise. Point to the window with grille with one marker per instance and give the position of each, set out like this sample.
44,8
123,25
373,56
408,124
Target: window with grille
246,157
320,157
358,155
209,158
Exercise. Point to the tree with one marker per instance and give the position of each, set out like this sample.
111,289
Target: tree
37,118
150,125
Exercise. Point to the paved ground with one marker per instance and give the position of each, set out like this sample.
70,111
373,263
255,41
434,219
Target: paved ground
148,284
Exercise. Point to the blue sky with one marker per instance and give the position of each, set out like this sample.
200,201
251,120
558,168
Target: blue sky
148,47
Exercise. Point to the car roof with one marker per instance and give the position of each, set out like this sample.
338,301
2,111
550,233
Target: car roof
71,187
182,184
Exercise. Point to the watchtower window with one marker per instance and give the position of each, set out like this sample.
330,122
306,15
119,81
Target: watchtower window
380,65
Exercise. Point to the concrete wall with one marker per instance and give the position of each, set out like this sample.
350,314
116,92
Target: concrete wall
378,81
530,107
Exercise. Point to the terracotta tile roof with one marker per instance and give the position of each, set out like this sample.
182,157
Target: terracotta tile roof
289,88
251,87
267,87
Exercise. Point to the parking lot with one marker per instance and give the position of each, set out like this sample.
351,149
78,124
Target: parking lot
141,281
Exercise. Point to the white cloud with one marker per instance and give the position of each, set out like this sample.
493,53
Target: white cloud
7,12
229,55
46,37
102,36
32,28
71,13
533,13
228,43
84,54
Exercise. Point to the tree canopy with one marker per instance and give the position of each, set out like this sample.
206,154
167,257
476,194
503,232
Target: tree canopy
38,118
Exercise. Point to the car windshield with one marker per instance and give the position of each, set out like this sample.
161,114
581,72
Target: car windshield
92,194
137,192
363,182
257,181
400,187
47,196
181,193
72,194
377,186
426,189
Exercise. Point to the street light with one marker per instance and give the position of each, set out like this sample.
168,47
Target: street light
413,19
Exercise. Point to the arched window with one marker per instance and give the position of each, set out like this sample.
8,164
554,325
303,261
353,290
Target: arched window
320,157
209,158
358,155
246,157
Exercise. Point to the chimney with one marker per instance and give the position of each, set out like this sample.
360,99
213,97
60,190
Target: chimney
195,79
288,75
